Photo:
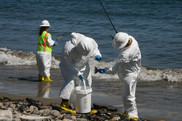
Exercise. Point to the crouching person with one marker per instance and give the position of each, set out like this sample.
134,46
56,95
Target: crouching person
74,65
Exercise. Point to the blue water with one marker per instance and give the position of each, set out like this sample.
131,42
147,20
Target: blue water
156,25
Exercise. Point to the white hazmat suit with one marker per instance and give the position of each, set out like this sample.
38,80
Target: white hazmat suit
127,65
74,62
44,59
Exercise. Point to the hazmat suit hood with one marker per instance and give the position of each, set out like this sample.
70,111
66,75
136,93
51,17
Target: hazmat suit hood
84,47
76,37
83,44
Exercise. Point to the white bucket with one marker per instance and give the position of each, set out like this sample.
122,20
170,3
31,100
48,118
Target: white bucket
82,97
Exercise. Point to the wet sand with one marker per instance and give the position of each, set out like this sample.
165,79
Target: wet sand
159,101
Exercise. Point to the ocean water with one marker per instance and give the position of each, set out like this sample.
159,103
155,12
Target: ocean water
156,25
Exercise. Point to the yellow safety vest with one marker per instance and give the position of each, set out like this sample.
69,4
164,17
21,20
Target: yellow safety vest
43,44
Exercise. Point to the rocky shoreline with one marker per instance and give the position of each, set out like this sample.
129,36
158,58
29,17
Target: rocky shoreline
29,109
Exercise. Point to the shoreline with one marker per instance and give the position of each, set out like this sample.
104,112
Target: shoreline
153,98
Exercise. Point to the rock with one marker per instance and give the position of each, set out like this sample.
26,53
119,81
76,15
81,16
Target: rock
16,116
6,115
60,116
22,107
56,107
45,112
38,104
97,118
1,104
32,109
34,118
66,116
6,99
11,105
67,120
107,107
73,117
81,119
115,118
46,107
58,120
11,109
55,113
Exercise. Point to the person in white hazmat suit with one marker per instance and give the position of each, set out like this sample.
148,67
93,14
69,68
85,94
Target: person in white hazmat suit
44,52
74,65
127,65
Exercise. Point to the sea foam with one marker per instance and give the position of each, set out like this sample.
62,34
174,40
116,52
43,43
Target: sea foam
20,58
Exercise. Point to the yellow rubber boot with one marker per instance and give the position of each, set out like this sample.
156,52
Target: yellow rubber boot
47,78
133,118
64,106
93,111
41,78
123,116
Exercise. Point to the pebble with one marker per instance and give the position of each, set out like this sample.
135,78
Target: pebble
55,113
32,110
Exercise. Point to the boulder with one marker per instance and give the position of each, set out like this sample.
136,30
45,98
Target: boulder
5,115
34,118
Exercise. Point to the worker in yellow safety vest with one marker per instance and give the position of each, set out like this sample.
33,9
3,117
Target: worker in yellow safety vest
44,52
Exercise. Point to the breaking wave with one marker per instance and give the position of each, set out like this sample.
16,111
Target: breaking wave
16,57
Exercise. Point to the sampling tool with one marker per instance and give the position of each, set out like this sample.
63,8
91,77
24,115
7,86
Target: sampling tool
61,35
67,31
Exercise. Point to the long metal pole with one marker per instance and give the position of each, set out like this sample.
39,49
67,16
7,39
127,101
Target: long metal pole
108,16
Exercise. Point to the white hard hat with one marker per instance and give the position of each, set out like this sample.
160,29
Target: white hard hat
120,40
45,23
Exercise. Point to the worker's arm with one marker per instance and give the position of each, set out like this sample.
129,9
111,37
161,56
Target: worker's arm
96,52
50,41
112,70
